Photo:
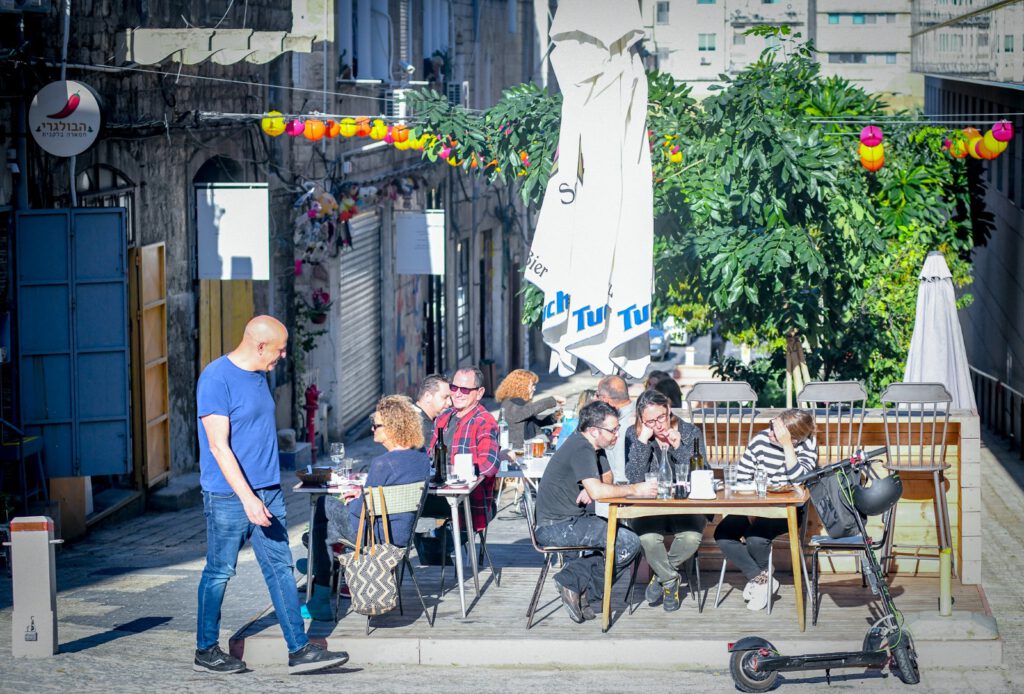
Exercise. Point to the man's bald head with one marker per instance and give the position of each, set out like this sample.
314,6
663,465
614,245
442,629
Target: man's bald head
264,343
265,329
613,390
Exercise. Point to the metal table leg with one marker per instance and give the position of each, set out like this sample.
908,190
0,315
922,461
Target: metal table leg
470,536
453,502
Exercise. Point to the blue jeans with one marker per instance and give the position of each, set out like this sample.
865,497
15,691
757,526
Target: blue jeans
227,529
587,573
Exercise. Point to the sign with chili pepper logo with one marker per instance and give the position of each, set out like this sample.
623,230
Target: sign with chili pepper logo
64,118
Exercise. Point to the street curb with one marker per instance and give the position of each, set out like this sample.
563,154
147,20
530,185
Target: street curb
261,644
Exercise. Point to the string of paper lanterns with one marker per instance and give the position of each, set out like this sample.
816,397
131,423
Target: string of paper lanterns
314,129
970,142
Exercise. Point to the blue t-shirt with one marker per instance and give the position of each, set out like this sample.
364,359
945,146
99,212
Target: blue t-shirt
244,398
392,468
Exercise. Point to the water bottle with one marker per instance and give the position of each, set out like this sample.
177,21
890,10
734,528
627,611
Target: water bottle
502,431
666,481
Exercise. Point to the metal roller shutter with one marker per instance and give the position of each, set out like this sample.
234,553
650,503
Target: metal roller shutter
359,348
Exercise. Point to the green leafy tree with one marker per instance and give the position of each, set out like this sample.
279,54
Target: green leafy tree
768,223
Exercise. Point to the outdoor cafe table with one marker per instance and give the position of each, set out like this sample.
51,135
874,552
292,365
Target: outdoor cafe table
454,495
782,505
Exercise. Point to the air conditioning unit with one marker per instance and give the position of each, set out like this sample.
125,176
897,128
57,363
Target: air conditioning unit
458,94
395,105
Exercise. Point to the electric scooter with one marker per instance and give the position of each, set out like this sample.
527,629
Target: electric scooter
755,663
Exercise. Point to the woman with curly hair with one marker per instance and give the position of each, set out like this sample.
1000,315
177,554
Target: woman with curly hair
396,426
525,416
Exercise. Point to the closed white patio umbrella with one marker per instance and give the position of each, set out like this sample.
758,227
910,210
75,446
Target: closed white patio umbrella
937,353
593,246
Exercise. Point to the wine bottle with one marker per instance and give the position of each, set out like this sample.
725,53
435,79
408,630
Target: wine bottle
440,460
696,459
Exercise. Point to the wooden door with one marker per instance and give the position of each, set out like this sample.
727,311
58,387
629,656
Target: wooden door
150,402
225,306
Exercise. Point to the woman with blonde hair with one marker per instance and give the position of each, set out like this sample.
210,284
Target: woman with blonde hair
396,426
524,415
785,450
571,418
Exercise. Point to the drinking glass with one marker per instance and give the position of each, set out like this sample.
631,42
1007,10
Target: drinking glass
761,482
337,452
651,477
682,471
729,473
451,473
346,468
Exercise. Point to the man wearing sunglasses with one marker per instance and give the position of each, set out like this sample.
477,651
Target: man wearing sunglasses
573,477
466,427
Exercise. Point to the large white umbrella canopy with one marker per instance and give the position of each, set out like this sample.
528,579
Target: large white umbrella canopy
937,353
593,246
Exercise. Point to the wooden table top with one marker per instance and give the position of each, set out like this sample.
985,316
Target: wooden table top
797,496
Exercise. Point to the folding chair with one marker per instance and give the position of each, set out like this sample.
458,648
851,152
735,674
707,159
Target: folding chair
398,498
915,442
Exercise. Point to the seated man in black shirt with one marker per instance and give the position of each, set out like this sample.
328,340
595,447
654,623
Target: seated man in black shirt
572,479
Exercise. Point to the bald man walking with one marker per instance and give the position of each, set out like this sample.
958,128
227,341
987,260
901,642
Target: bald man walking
242,497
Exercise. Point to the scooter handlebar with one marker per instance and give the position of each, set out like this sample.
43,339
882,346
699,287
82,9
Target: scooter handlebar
858,459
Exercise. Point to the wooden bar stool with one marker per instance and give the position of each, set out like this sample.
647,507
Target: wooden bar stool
916,417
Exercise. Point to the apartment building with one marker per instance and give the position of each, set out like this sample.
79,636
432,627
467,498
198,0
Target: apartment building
865,41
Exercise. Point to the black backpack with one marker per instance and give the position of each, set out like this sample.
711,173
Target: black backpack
838,517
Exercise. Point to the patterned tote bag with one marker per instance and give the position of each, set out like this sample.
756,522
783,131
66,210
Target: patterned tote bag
369,571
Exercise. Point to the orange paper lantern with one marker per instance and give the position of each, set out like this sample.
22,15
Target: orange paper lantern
400,133
314,129
993,145
958,148
332,129
872,165
363,126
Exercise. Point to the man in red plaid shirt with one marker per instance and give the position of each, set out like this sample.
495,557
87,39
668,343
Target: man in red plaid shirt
468,428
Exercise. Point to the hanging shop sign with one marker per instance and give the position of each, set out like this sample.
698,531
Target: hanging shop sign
419,240
65,118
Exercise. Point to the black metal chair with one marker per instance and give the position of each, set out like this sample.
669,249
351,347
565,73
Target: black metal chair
549,552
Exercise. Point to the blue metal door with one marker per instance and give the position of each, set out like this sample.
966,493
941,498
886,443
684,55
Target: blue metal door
73,344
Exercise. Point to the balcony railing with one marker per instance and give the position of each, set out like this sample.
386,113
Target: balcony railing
1000,408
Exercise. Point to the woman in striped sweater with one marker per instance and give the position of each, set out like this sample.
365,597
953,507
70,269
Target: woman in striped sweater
786,450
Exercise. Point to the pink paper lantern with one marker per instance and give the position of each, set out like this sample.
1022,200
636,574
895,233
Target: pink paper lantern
295,127
871,136
1003,131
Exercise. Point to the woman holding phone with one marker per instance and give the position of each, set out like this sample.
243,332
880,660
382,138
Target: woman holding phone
656,436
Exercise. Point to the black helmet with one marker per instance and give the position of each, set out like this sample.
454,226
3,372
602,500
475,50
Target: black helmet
879,497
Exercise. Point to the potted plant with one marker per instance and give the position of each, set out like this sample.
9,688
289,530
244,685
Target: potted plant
318,309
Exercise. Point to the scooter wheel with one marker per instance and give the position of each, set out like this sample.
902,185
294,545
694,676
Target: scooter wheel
905,658
748,679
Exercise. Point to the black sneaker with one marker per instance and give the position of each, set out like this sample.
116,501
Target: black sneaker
214,660
313,657
585,608
571,600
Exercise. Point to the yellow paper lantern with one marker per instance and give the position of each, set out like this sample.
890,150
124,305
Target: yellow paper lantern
993,145
347,128
402,145
273,123
379,130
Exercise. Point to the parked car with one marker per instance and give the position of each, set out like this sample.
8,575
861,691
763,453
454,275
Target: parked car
659,343
677,335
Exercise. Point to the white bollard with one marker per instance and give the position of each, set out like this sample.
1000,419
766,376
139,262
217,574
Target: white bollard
691,355
34,624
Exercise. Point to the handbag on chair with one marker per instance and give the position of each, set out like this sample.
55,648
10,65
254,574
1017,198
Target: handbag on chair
369,571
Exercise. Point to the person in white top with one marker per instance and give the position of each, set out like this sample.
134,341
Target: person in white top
786,450
614,391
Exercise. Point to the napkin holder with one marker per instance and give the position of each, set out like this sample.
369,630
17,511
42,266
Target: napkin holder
464,469
702,484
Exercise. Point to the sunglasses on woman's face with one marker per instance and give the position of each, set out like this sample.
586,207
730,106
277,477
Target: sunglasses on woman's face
463,390
374,426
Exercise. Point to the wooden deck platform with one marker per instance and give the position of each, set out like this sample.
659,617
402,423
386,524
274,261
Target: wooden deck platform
497,618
